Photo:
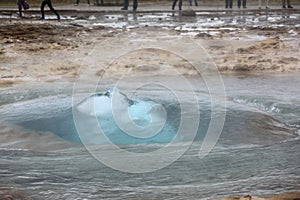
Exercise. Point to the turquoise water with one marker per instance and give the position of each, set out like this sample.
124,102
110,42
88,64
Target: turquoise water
257,153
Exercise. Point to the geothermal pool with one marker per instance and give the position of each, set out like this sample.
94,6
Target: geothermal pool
257,152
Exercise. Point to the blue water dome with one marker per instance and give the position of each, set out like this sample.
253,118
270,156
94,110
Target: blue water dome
111,117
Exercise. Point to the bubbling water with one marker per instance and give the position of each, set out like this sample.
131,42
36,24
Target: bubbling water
122,120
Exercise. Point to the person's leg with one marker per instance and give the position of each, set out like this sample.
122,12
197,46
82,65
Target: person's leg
196,2
180,4
126,3
289,4
190,2
77,2
226,3
244,3
267,3
174,4
52,9
283,3
135,4
88,1
239,3
19,7
125,6
42,9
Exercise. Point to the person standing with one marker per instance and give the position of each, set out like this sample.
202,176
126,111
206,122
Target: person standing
228,3
191,2
241,1
174,4
288,4
96,2
267,4
77,2
49,3
20,4
126,4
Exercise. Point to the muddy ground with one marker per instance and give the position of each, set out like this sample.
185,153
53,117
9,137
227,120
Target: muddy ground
43,51
51,51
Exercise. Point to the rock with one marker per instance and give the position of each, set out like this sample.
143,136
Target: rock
285,196
204,35
188,13
11,193
243,67
247,197
6,13
82,17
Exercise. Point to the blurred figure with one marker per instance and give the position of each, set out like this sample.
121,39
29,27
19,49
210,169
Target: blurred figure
22,4
49,3
228,3
191,2
77,2
96,2
288,4
174,4
267,4
126,4
244,3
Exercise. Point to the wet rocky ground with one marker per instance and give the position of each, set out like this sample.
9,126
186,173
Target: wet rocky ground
238,41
